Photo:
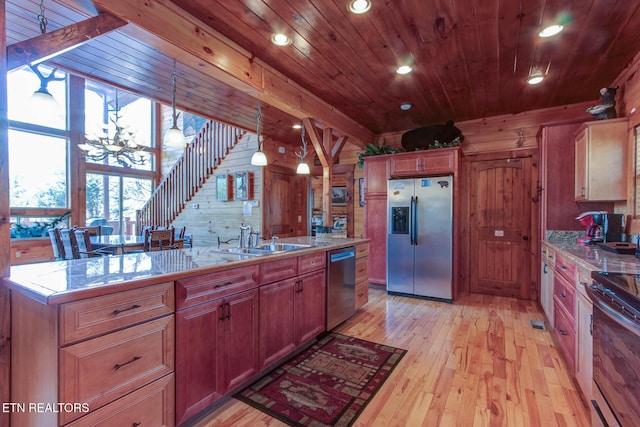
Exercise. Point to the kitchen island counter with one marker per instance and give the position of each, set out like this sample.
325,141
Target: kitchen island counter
58,282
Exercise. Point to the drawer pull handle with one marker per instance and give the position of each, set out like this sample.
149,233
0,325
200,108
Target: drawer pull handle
562,332
225,284
136,424
133,307
564,267
120,365
562,295
361,271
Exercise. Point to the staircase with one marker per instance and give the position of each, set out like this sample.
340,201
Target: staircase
188,175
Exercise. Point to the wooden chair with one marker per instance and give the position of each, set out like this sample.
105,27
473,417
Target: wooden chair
183,237
85,248
68,238
160,240
93,231
56,244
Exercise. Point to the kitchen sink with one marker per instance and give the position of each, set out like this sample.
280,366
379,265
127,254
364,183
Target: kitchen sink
281,247
244,251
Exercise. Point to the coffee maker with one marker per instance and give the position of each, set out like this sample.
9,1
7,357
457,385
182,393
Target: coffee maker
611,226
601,227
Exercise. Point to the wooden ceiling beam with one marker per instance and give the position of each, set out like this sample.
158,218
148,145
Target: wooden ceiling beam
226,61
337,148
54,43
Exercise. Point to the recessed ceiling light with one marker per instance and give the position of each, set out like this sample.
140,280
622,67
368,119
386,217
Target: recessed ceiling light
535,79
297,126
280,39
359,6
404,69
550,31
406,106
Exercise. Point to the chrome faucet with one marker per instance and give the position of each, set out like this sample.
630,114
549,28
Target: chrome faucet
244,241
254,239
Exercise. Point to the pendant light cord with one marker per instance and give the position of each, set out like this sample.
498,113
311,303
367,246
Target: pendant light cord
42,19
174,80
259,128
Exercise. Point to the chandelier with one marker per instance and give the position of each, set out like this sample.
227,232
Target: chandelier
121,146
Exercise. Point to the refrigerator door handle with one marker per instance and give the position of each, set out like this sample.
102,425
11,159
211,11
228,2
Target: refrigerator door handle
412,221
415,221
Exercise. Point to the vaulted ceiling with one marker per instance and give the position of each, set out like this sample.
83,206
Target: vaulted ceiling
470,59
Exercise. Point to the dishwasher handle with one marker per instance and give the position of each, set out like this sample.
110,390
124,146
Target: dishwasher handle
341,256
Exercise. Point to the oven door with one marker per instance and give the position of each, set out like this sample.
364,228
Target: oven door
616,357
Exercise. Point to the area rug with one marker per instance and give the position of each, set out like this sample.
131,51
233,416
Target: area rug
329,384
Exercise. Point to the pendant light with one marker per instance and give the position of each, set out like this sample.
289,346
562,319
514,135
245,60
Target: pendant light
42,100
174,136
259,158
303,167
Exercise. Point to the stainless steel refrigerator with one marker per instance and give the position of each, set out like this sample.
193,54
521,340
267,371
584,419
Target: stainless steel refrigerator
420,237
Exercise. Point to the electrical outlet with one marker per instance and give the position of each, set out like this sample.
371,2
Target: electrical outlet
281,150
196,206
18,254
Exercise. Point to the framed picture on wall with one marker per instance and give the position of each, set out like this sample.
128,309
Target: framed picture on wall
244,186
361,191
339,196
224,187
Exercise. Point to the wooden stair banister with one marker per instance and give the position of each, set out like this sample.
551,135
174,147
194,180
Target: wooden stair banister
189,173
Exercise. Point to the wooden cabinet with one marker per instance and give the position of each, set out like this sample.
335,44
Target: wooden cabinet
375,224
584,339
362,274
421,163
292,310
564,308
600,160
546,282
115,353
217,340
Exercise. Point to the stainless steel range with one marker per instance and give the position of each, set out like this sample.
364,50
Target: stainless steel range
616,349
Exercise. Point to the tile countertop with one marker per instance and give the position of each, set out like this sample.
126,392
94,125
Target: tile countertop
593,258
63,281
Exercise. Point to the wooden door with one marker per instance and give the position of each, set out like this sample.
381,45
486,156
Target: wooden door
500,227
279,213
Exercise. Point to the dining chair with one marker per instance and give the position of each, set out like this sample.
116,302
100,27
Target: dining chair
56,244
93,231
68,238
85,248
160,240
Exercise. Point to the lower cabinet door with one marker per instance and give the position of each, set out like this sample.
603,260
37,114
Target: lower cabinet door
277,332
152,405
310,311
241,338
199,344
563,328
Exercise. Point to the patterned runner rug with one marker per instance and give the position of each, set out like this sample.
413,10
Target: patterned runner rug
329,384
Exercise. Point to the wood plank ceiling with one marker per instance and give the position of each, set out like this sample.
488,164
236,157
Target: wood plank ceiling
470,59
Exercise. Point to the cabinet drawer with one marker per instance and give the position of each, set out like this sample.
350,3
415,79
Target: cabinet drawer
278,270
405,165
362,269
362,293
563,328
307,263
152,405
104,369
207,287
565,267
95,316
362,250
565,294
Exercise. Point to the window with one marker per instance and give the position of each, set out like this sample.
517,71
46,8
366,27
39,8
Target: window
38,155
112,201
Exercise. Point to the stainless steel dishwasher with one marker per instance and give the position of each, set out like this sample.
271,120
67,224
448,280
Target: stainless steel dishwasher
341,284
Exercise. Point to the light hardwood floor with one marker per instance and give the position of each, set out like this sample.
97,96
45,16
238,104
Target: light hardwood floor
476,362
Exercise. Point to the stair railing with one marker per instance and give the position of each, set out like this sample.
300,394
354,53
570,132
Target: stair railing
188,175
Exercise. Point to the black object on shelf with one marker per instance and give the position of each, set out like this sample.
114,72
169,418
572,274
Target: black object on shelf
619,247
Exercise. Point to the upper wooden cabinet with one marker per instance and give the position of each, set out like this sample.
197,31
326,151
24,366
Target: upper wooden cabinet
600,165
420,163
